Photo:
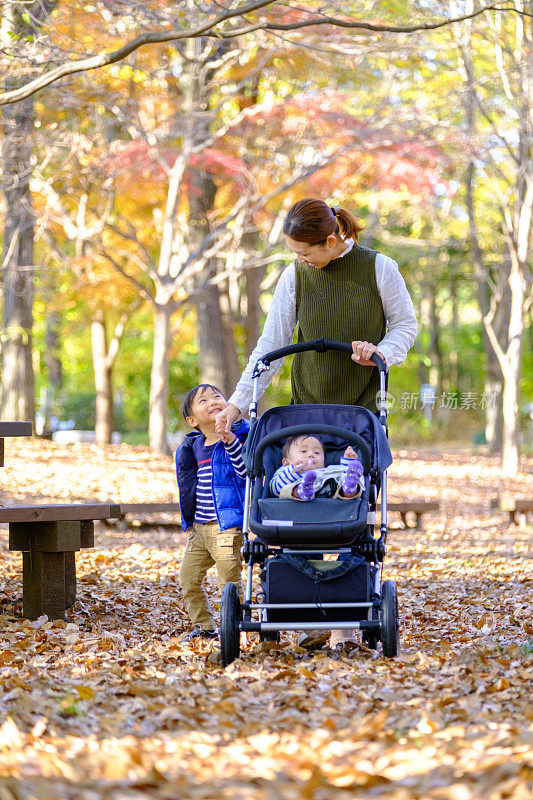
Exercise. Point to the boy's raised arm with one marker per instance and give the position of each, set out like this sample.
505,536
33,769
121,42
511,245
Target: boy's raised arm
234,451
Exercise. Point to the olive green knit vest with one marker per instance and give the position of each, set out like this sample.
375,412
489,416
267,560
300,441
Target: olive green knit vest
340,302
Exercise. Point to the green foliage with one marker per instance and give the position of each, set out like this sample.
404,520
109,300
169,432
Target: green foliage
80,407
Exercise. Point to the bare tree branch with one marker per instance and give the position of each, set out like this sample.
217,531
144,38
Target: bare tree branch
103,59
365,26
142,289
132,237
119,332
212,28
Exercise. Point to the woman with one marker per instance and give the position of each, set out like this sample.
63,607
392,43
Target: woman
335,290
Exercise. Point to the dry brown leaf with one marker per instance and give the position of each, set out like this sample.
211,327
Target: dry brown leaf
112,704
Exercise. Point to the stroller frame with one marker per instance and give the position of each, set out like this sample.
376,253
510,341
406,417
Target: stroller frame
381,623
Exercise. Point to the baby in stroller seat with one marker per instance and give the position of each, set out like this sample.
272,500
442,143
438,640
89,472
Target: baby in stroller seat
303,475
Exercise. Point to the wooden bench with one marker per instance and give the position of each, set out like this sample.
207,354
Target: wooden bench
518,508
49,537
150,508
8,429
417,507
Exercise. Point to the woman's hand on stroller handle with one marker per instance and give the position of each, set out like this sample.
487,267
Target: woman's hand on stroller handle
362,353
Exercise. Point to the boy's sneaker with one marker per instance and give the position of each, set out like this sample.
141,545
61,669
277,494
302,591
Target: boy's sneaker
350,485
306,489
200,633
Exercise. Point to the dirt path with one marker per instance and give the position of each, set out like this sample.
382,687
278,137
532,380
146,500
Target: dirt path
112,705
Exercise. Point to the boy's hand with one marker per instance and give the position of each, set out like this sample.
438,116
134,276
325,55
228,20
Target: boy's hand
226,418
350,453
228,438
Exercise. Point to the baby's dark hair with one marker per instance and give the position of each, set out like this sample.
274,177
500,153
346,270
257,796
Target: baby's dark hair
292,439
186,406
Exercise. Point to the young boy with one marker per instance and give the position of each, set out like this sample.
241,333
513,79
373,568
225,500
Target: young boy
211,478
303,475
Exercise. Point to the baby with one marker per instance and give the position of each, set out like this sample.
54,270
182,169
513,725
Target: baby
303,475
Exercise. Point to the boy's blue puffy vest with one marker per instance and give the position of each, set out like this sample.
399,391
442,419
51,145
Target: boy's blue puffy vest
227,487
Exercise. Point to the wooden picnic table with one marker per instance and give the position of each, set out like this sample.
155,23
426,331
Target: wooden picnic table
48,537
518,507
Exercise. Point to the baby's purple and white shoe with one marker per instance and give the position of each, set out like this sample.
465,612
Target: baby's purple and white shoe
350,485
306,489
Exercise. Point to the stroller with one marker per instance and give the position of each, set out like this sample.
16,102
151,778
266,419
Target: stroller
301,590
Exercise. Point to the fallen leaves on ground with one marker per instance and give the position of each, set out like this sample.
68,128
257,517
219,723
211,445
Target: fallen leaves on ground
110,704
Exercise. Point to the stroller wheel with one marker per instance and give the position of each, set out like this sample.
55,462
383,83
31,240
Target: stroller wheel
390,624
230,616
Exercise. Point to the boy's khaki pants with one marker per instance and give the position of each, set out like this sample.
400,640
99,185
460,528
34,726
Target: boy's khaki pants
208,546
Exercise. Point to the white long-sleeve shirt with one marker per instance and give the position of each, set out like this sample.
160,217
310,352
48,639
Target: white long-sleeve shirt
281,322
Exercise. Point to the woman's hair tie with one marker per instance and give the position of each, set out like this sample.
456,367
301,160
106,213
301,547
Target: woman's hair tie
336,210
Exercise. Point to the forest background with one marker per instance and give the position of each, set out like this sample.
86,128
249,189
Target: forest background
142,202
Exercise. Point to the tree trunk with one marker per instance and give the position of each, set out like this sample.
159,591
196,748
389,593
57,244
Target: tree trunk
229,319
503,316
17,126
102,381
511,423
17,262
213,342
493,406
435,371
254,311
511,377
430,320
217,356
54,367
159,382
453,356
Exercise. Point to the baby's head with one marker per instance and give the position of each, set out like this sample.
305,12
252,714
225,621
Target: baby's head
303,448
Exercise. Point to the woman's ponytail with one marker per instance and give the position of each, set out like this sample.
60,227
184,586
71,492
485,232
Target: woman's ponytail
349,228
312,221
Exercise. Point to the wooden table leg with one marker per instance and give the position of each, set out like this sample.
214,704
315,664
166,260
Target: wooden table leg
48,565
43,585
70,579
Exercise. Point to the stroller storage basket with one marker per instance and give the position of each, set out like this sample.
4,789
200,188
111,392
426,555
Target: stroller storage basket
283,580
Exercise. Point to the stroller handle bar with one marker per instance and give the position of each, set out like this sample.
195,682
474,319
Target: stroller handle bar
320,345
298,430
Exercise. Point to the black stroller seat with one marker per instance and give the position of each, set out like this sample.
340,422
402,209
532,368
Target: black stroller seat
323,521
